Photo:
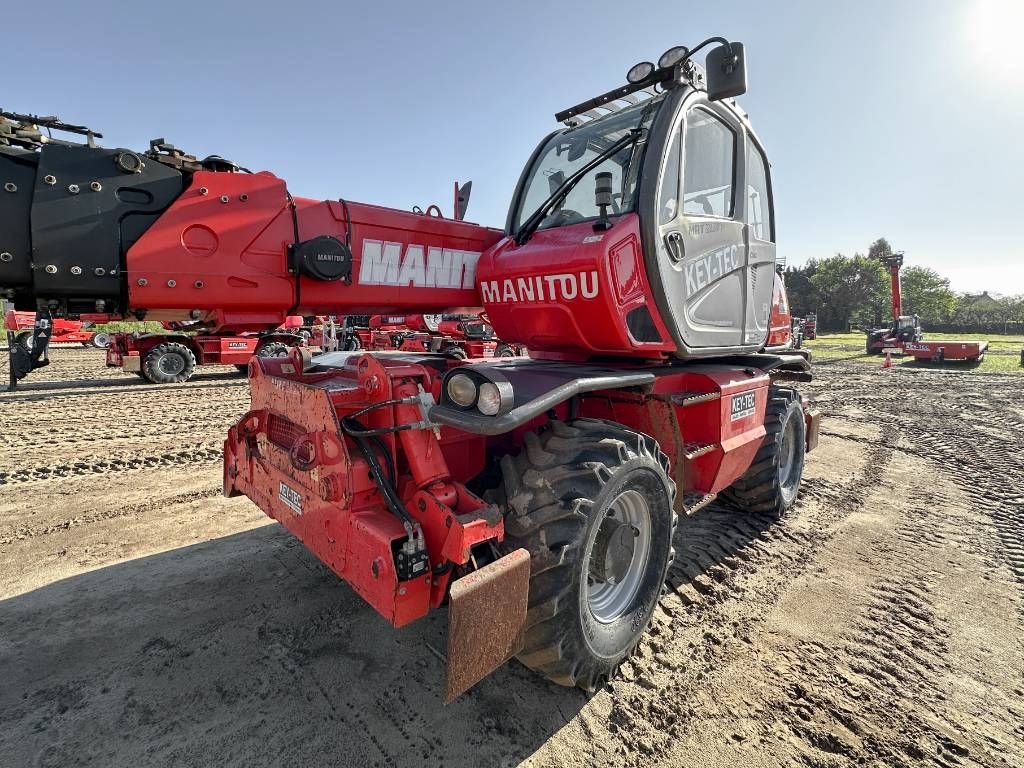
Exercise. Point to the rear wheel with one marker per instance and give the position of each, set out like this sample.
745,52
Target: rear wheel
458,352
771,484
504,350
351,343
100,340
169,363
273,349
592,503
25,339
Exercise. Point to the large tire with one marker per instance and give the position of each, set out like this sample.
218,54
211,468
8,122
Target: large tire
273,349
577,483
24,338
772,482
169,363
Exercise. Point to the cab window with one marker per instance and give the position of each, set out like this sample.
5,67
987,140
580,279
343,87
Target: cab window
759,209
708,166
668,200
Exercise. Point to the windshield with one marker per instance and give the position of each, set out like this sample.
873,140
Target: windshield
567,152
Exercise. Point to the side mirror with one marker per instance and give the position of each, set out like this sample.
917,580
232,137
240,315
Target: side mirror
462,199
726,72
577,149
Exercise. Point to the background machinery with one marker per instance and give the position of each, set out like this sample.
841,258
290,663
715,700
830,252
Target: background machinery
172,357
461,335
20,325
536,497
905,336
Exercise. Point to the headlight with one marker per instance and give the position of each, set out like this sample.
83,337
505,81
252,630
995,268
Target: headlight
462,390
488,401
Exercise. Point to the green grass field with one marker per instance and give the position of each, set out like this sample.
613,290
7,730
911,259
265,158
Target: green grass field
1003,354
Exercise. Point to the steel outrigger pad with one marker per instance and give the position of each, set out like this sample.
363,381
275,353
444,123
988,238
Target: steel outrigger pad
486,614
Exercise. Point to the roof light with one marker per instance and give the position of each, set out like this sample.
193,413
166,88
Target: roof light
672,56
639,72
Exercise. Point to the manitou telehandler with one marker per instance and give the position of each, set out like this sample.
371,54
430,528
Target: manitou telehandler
537,497
905,335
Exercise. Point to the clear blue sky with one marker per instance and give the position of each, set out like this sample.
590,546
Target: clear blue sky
880,118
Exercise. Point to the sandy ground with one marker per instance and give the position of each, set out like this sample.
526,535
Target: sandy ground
146,620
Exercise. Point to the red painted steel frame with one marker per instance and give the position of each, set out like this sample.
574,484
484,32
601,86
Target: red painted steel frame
291,457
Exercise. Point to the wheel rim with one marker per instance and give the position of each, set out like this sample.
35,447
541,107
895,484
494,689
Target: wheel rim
170,364
787,455
609,601
273,351
101,340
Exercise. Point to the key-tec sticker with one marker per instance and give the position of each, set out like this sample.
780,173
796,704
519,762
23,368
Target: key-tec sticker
290,497
743,405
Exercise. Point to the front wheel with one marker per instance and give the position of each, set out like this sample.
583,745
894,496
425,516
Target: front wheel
169,363
504,350
592,503
771,484
100,340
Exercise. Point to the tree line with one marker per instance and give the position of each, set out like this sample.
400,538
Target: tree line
850,292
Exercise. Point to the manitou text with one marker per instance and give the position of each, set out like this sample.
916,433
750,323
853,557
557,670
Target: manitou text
561,287
384,263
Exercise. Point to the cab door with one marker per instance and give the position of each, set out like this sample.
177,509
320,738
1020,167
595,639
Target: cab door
702,237
759,220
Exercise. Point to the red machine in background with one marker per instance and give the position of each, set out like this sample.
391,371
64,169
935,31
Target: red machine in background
905,336
811,326
62,330
463,336
536,497
173,357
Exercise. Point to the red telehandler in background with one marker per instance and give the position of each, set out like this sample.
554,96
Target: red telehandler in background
536,497
905,336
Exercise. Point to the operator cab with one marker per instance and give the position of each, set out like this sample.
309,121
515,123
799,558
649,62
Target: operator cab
645,226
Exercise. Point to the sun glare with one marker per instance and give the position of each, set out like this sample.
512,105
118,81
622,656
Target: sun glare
995,30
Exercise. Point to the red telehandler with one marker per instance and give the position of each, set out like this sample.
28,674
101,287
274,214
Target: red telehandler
536,497
905,336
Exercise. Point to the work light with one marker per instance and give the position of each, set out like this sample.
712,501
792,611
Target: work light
639,71
672,56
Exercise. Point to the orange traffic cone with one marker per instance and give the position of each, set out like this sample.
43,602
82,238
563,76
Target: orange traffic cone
888,359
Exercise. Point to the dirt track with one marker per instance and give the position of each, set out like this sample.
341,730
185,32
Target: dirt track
146,620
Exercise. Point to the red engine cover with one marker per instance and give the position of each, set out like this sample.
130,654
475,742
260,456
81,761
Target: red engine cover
569,293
